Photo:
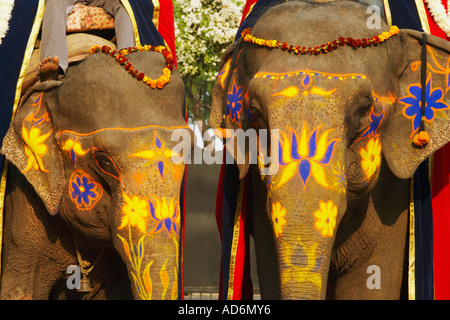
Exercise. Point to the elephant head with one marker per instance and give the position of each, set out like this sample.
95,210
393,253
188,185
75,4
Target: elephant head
347,112
97,150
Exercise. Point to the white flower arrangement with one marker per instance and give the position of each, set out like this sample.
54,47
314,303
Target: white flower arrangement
440,15
6,7
203,30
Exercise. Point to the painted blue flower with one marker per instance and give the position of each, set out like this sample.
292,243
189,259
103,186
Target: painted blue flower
235,102
433,101
83,191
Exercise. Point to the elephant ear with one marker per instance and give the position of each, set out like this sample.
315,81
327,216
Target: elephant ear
402,153
229,110
30,145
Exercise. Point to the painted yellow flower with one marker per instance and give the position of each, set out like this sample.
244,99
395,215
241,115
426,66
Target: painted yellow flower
35,148
278,220
326,218
134,212
370,157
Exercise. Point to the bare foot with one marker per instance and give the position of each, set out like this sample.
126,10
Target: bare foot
48,68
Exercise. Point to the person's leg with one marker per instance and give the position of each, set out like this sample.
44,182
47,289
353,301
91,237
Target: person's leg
122,21
53,49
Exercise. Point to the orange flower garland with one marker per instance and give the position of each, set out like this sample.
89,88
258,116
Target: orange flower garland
120,57
324,48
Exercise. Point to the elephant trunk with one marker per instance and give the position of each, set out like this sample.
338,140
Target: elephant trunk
307,198
304,241
148,238
148,225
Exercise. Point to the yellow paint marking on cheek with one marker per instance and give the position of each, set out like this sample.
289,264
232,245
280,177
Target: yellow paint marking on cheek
170,154
75,146
321,92
289,92
147,154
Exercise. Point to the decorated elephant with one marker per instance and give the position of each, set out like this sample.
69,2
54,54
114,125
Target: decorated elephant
91,183
345,99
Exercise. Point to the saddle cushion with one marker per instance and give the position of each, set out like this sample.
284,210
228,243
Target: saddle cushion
85,18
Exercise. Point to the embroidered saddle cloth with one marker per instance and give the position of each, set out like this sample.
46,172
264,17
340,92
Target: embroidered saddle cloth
85,18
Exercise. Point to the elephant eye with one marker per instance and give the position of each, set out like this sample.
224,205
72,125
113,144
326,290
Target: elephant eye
106,163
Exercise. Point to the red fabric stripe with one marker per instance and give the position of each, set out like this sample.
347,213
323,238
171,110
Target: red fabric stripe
239,263
441,223
248,4
440,193
166,25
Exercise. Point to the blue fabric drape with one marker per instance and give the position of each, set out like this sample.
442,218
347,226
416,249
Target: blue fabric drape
230,202
423,233
148,34
405,15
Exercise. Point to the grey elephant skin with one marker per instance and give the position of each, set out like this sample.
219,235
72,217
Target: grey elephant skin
336,212
90,183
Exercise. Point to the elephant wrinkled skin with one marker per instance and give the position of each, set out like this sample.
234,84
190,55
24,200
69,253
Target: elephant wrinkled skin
91,175
346,119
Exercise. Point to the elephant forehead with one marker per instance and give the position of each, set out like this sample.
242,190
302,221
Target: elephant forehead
319,98
121,140
306,79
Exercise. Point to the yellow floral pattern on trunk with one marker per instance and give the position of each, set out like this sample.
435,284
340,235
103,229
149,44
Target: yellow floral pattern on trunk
278,218
326,218
135,211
